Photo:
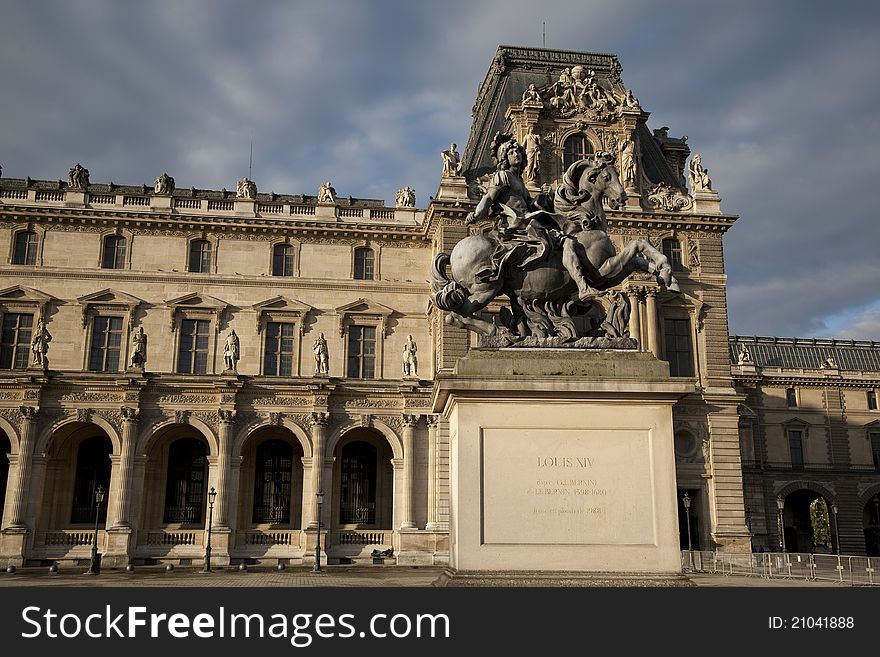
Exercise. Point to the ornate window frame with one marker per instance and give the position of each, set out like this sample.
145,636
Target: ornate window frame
796,424
201,307
297,251
682,306
108,303
21,227
129,241
213,240
365,313
286,311
24,300
377,260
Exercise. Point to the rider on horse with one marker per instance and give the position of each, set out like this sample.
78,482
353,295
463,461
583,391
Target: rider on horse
530,233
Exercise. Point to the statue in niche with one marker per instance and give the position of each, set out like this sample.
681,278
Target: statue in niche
410,360
78,177
552,263
451,162
326,193
531,96
322,358
246,189
138,349
628,163
532,143
164,185
744,356
698,176
40,345
406,197
231,351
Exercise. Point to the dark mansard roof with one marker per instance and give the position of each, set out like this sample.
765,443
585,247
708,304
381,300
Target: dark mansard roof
804,353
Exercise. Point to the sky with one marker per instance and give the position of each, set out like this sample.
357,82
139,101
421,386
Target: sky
780,98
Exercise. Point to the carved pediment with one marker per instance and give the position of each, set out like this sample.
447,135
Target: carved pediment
109,300
24,299
364,310
279,308
197,305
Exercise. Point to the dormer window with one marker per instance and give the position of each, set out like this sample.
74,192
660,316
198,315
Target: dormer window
574,149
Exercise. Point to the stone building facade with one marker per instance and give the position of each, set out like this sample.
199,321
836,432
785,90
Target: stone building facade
119,369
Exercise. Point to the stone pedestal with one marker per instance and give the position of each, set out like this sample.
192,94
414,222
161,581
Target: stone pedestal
13,542
707,201
561,467
453,188
118,548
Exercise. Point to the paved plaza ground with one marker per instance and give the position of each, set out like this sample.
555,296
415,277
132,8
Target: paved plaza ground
342,576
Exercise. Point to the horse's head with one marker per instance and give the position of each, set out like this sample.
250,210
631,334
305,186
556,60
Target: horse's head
586,183
601,179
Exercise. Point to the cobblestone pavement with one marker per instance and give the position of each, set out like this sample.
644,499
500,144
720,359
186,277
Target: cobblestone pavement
344,576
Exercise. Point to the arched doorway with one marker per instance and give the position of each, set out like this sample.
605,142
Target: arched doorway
807,523
5,450
363,482
92,472
186,483
270,492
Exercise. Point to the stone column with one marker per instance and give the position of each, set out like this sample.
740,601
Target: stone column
30,415
409,470
651,312
432,524
635,325
221,507
319,434
130,423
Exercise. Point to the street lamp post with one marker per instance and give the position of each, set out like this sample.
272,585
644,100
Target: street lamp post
212,496
836,532
686,500
94,564
320,496
780,505
877,513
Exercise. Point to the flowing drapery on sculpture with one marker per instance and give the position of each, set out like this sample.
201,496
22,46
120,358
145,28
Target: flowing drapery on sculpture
406,197
164,185
40,345
231,351
326,193
410,360
554,265
322,364
532,143
78,177
698,176
246,188
138,348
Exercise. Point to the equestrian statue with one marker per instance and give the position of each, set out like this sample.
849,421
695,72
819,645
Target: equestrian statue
552,258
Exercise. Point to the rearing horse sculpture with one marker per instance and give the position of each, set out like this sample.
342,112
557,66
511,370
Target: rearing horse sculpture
544,262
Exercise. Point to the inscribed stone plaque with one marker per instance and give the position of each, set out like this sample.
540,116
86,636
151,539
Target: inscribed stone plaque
567,486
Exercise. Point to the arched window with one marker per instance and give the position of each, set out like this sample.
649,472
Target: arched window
25,252
575,148
200,256
185,490
357,495
272,482
114,252
672,250
92,470
282,260
363,263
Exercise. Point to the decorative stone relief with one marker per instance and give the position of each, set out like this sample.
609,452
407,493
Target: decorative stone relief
664,197
366,420
9,394
187,399
181,417
31,394
276,419
211,418
130,414
12,415
416,402
90,397
113,418
319,419
693,254
84,415
410,420
281,401
393,421
370,403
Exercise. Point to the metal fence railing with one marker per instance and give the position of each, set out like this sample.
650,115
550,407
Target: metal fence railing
845,569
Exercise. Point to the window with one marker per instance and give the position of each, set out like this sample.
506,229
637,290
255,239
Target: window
106,344
92,470
678,346
875,450
25,252
791,397
575,148
363,263
282,260
357,493
796,448
362,352
278,359
192,354
200,256
272,482
114,252
185,490
15,344
672,251
872,400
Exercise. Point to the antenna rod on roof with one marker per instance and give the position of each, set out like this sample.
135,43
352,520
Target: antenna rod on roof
544,34
251,160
